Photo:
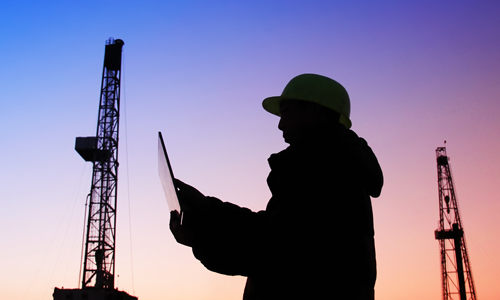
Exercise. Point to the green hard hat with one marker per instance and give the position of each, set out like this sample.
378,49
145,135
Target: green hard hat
317,89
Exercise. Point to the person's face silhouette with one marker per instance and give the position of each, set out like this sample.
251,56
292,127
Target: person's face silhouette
296,117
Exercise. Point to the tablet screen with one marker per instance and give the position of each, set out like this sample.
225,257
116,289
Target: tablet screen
166,176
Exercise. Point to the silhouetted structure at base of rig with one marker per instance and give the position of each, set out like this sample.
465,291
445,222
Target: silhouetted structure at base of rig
91,294
98,274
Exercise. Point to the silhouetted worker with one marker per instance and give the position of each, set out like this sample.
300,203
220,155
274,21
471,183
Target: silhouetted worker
315,238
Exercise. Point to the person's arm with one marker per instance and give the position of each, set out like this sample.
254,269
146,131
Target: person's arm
226,238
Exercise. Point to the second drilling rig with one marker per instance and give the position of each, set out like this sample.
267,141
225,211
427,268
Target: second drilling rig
456,274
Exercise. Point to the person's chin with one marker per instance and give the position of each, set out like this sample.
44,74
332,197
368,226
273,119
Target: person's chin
287,138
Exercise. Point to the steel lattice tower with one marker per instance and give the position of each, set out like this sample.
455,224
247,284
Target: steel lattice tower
456,272
102,151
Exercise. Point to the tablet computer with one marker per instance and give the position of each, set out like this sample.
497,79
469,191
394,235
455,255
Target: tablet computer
167,176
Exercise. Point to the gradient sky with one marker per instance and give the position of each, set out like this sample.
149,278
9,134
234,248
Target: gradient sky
418,73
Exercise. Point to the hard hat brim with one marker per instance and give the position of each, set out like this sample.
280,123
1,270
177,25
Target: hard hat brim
272,105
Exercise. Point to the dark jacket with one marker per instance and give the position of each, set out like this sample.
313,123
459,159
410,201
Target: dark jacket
315,238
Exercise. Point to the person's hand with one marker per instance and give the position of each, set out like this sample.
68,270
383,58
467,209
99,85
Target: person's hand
189,197
181,234
191,200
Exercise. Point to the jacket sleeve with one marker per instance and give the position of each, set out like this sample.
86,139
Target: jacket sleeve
228,238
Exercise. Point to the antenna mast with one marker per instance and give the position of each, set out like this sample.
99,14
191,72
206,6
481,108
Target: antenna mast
455,266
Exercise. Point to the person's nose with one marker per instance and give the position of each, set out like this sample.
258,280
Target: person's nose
281,124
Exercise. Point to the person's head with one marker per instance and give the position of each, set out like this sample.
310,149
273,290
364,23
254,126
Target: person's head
309,100
300,117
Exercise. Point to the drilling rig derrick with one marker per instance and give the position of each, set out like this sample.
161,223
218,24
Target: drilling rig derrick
98,273
456,273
